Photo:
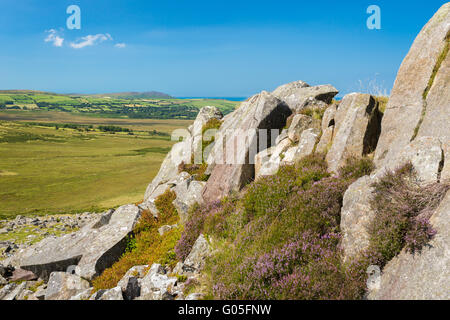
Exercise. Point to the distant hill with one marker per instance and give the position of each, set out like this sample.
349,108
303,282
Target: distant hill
135,95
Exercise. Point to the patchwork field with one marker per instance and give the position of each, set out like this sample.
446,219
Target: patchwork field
56,162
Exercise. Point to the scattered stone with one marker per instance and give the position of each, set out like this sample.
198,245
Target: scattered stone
91,249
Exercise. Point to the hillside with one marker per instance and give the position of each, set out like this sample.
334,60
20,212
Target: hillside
133,105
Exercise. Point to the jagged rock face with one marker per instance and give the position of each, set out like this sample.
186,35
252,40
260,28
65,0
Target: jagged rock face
62,286
357,129
410,97
297,94
424,275
238,141
93,248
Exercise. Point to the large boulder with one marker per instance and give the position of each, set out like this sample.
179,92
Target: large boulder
238,141
413,108
63,286
296,94
92,249
357,129
424,275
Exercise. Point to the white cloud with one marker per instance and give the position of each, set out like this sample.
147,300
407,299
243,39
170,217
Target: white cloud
120,45
91,40
54,38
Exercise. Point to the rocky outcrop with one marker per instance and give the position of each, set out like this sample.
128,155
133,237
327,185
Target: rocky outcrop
356,214
424,275
305,147
357,129
63,286
238,141
183,152
298,95
408,108
92,249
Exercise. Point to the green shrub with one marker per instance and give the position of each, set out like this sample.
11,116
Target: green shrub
403,208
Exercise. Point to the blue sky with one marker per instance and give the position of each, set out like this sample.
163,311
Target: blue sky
204,48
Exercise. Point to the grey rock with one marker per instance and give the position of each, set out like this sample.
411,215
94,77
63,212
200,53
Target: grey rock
194,296
12,291
114,294
63,286
164,229
156,285
188,193
91,249
295,96
357,129
22,275
299,124
406,103
233,166
268,162
195,261
130,283
356,216
83,295
326,140
2,281
308,140
424,275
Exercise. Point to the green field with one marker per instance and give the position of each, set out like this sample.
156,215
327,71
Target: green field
132,107
50,167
